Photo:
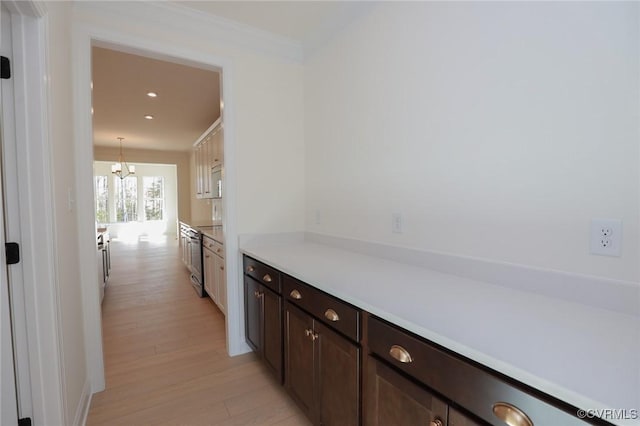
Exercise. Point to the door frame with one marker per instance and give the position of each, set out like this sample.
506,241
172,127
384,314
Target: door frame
30,67
84,37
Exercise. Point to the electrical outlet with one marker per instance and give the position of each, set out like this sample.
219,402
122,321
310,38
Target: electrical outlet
397,225
606,237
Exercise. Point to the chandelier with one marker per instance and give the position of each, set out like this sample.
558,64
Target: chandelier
121,168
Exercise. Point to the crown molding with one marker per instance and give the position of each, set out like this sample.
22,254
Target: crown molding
34,9
185,20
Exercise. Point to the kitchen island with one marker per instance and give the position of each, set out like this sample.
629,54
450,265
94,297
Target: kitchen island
583,355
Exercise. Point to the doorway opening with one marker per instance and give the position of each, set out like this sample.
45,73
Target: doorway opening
86,43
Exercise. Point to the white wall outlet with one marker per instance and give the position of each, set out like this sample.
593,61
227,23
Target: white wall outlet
397,224
606,237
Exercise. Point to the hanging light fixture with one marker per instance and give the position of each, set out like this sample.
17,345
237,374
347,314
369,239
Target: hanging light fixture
121,168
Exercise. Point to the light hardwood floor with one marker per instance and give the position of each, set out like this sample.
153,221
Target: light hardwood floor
165,353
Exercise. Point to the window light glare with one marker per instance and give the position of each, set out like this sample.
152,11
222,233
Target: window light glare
149,117
152,94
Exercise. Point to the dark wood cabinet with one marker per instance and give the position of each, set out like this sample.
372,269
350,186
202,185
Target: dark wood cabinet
392,399
253,314
346,367
272,331
322,370
263,324
338,378
299,358
456,418
486,394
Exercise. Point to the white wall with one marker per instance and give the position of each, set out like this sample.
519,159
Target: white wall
498,130
168,225
66,231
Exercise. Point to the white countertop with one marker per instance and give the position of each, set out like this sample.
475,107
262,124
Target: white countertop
586,356
214,232
209,228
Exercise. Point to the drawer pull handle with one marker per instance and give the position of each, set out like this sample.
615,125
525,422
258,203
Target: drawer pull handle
250,269
331,315
401,354
218,250
256,293
511,414
267,278
222,268
436,422
295,294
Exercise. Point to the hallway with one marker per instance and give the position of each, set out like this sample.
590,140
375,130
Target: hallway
165,353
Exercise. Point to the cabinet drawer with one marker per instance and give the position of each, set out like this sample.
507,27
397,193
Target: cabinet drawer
264,274
213,245
476,388
336,314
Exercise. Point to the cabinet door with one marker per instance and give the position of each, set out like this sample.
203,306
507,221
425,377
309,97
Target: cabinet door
198,166
338,365
391,399
217,145
206,168
220,281
209,274
272,342
299,358
253,314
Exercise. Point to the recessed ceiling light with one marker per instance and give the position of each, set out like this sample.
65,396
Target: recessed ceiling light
152,94
149,117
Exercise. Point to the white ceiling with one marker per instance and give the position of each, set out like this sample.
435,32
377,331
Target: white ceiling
188,99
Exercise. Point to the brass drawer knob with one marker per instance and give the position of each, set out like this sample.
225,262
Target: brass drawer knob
436,422
295,294
511,415
400,354
218,250
331,315
267,278
250,269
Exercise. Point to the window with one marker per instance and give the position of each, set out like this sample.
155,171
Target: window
153,193
102,199
126,195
